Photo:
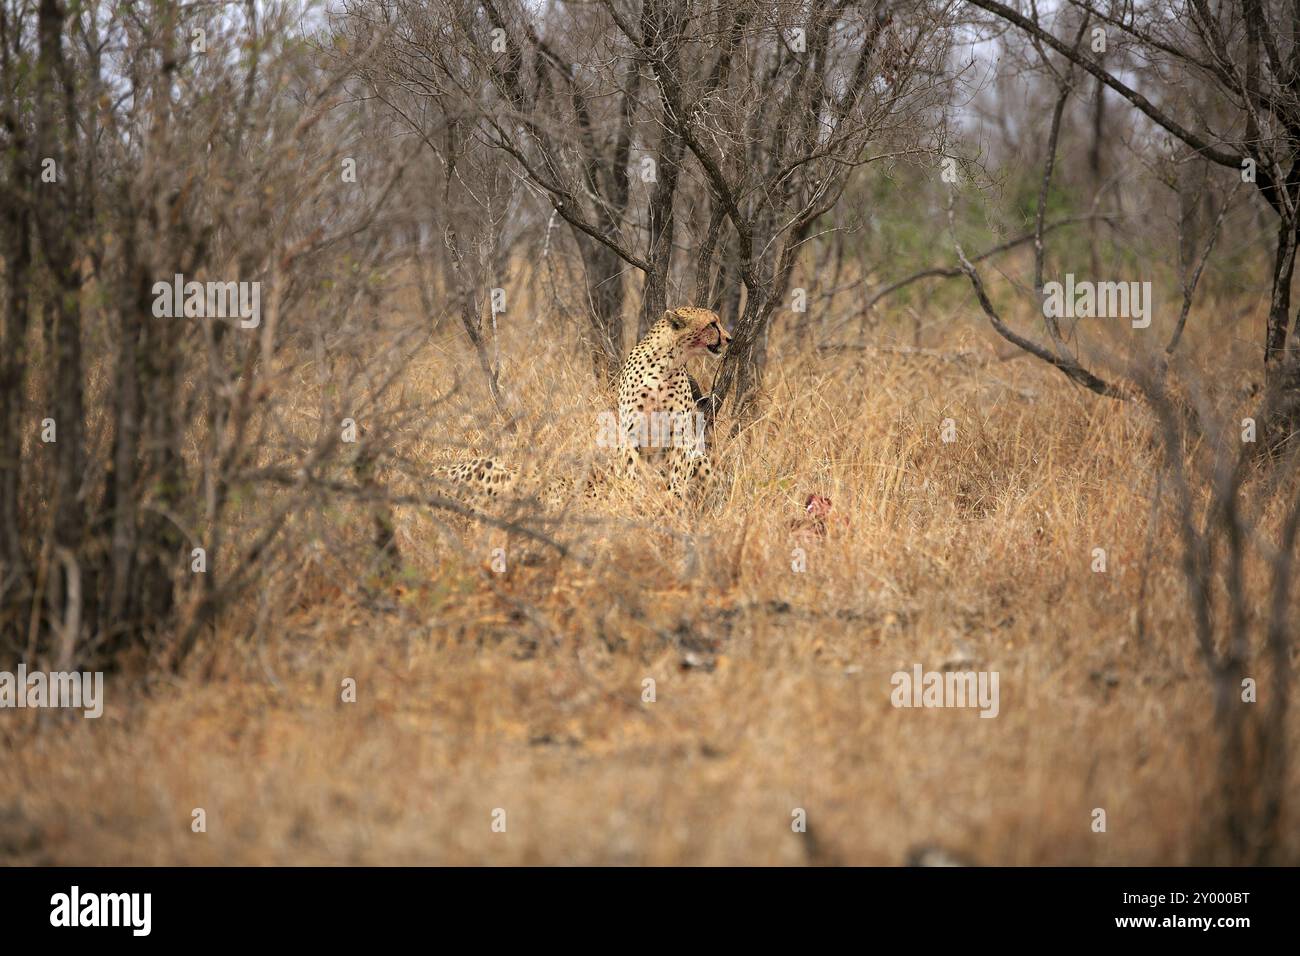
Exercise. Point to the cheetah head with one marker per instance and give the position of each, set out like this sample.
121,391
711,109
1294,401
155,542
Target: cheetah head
698,330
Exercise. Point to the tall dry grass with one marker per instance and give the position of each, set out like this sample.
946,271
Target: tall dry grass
524,690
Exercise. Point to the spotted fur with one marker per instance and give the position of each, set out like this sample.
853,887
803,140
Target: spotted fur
654,380
482,480
487,476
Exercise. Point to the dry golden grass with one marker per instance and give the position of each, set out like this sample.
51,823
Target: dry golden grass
523,691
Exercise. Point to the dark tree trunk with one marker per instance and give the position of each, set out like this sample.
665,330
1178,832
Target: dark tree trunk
661,26
604,276
55,205
655,298
16,320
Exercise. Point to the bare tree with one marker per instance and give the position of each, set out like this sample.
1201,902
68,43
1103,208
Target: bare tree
756,114
790,106
1246,651
487,77
145,148
1245,58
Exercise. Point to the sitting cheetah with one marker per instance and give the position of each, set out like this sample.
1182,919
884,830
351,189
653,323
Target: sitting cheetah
654,389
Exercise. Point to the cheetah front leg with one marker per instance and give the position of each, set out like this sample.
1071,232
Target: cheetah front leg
629,458
689,469
628,464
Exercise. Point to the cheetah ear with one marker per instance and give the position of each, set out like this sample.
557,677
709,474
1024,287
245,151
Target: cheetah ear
675,320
